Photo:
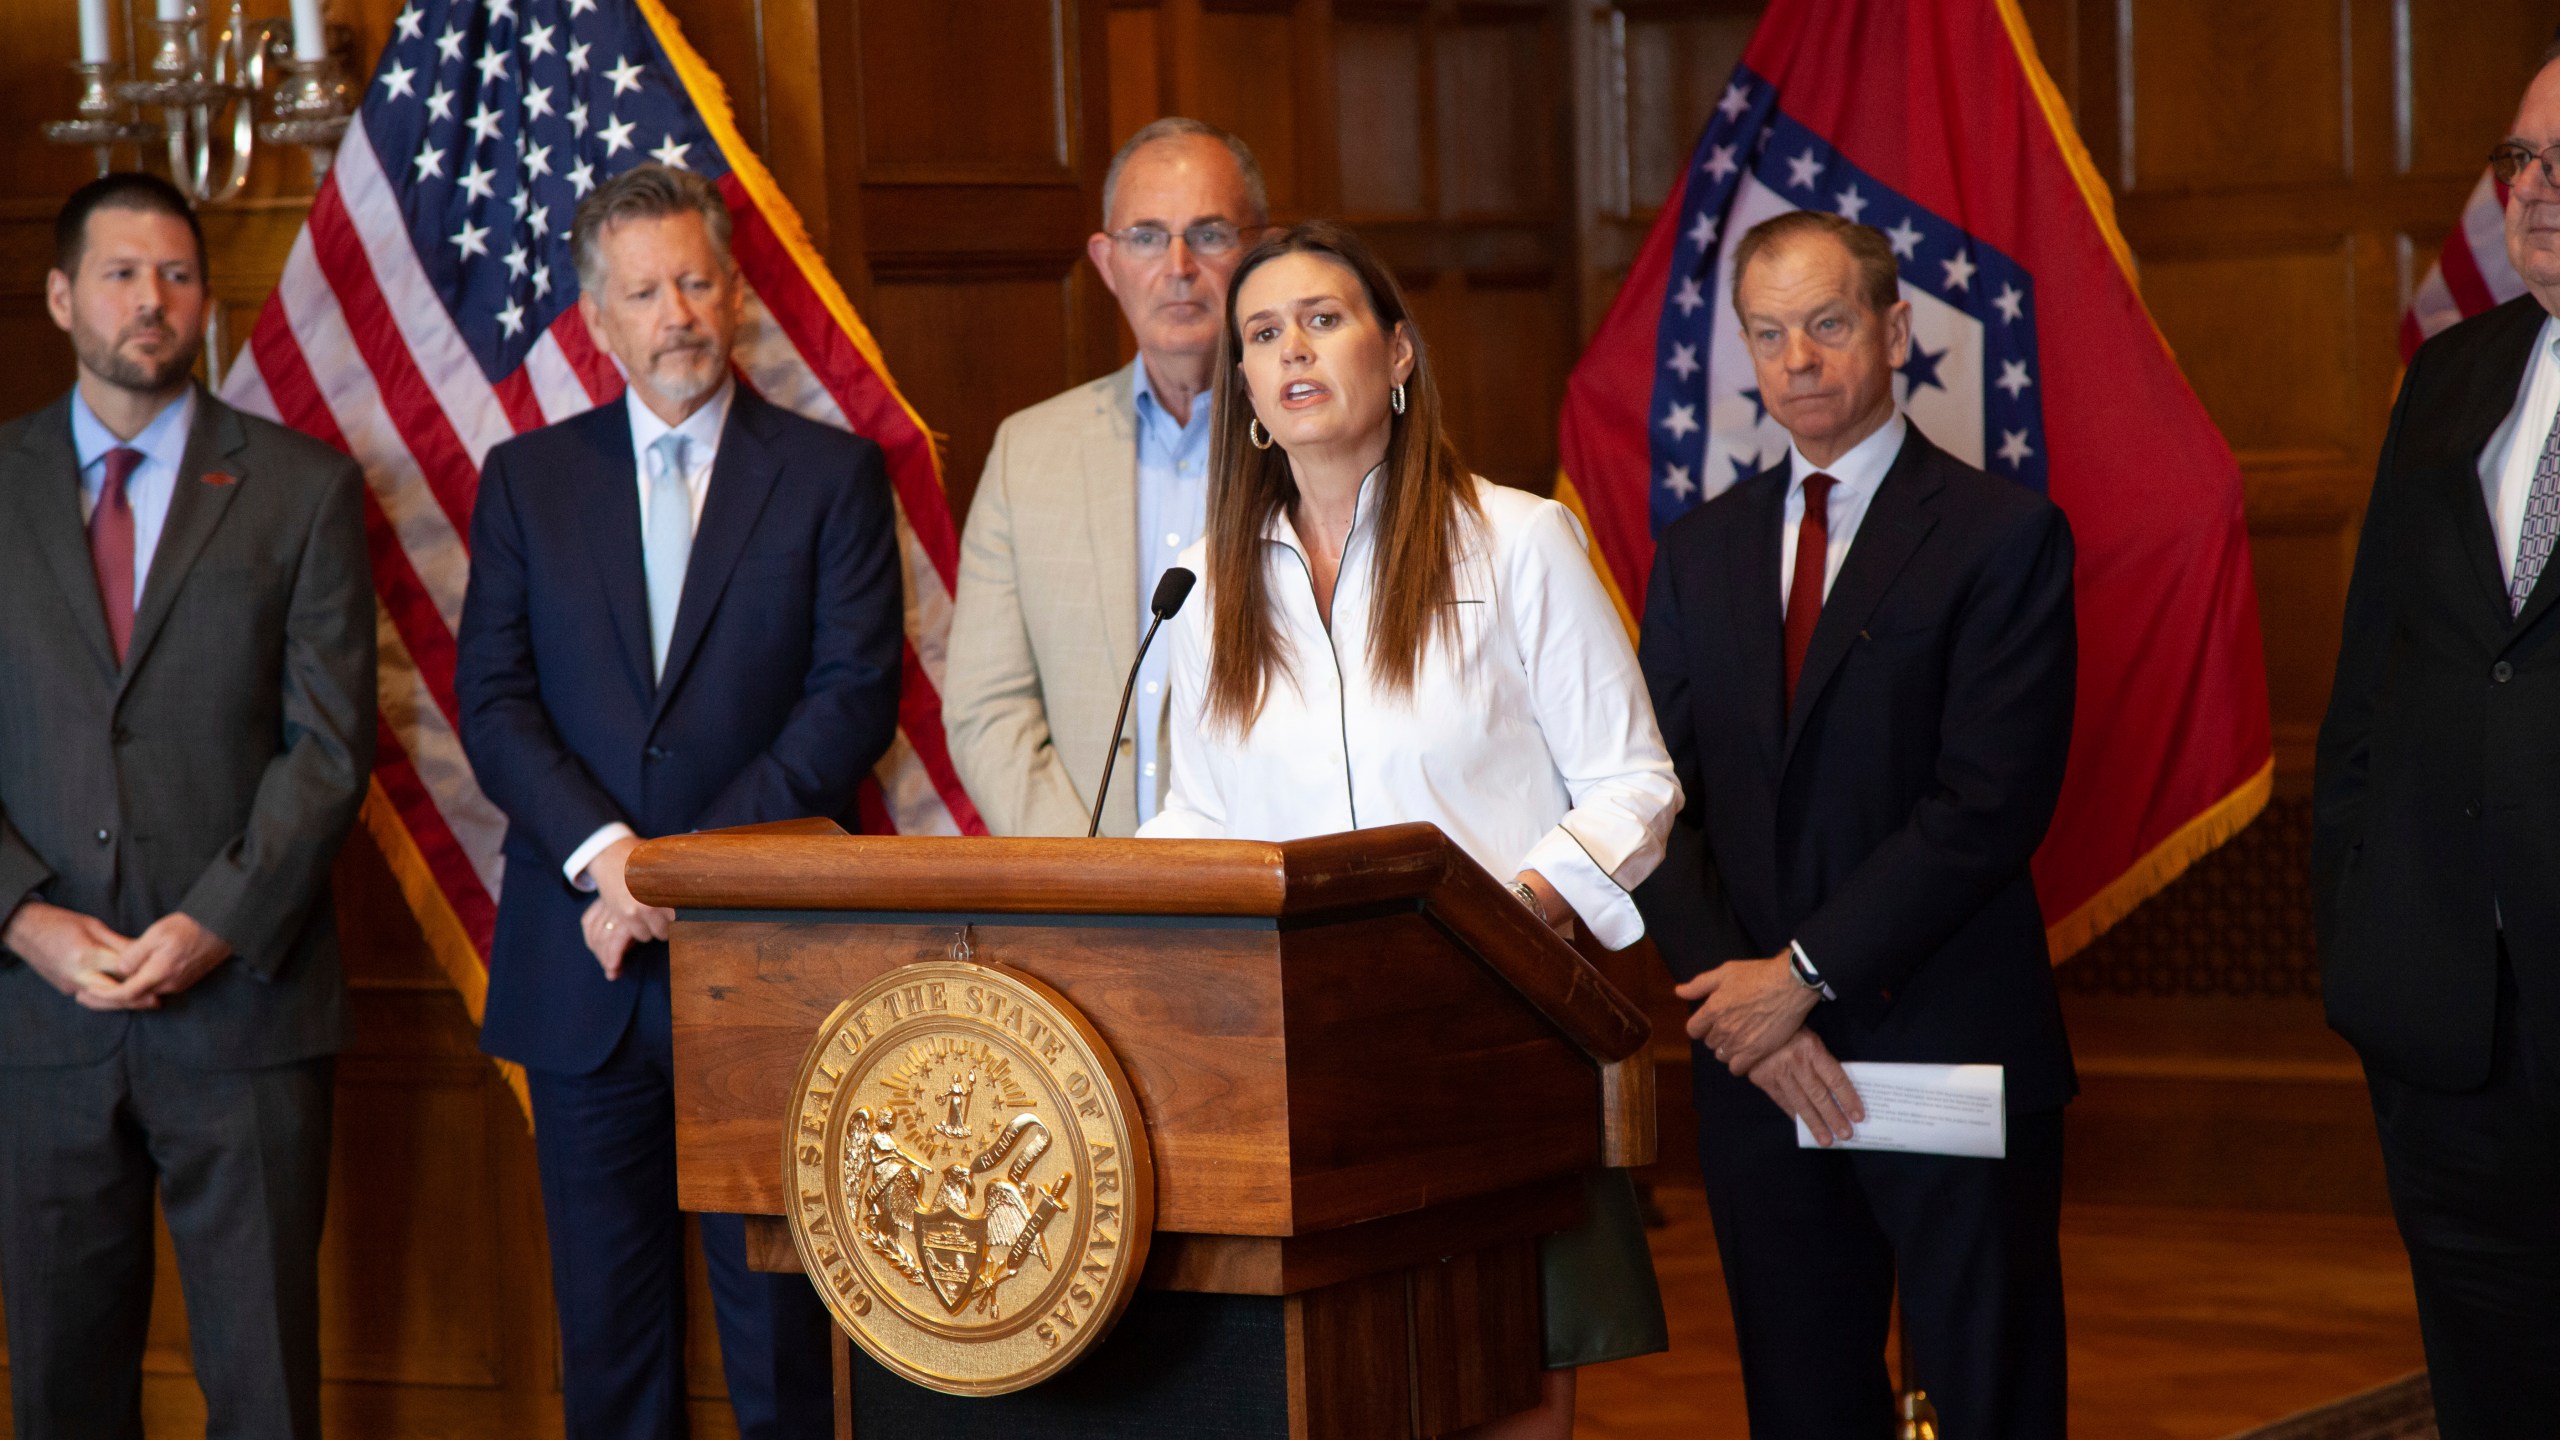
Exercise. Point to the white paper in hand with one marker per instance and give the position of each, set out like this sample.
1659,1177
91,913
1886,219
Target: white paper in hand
1926,1110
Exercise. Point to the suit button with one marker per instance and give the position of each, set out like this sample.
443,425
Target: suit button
123,736
104,837
2502,672
656,752
2471,811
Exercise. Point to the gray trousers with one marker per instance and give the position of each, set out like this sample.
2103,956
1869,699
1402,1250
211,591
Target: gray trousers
240,1159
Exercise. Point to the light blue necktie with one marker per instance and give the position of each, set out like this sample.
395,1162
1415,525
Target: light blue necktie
668,542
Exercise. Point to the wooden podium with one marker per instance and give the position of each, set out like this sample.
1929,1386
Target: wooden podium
1369,1077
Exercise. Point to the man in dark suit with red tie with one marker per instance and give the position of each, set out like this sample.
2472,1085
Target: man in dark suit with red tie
186,732
1863,663
2435,848
685,613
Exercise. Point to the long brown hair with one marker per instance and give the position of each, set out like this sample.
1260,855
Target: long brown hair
1424,499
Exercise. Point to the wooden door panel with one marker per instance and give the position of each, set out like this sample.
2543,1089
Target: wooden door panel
2468,61
2233,95
1380,87
2266,336
979,92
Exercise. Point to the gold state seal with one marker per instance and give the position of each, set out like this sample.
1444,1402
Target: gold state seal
971,1188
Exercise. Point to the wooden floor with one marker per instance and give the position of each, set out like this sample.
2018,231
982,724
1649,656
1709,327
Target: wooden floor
2185,1324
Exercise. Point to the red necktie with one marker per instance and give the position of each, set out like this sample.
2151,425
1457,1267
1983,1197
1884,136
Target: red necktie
1804,591
111,546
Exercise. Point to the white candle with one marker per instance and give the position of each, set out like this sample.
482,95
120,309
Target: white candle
173,9
310,34
93,30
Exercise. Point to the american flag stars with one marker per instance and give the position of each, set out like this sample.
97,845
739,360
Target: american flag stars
527,105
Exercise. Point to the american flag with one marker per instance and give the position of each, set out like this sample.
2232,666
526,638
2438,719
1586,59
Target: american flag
2470,275
428,311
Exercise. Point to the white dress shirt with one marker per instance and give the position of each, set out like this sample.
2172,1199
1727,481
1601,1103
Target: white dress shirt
1531,742
148,490
1858,473
2507,461
701,431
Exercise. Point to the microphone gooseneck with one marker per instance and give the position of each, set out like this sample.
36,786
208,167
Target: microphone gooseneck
1171,591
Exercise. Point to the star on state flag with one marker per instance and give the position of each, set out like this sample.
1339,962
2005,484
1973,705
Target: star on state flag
2032,358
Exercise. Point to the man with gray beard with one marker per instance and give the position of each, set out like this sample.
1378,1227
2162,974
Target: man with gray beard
186,731
685,613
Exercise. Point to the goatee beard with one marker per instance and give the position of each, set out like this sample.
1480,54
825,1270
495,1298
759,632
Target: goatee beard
111,364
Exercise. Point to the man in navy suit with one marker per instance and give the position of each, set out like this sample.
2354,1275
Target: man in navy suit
1863,661
684,613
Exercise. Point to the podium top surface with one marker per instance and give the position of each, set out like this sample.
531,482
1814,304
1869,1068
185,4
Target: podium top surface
814,866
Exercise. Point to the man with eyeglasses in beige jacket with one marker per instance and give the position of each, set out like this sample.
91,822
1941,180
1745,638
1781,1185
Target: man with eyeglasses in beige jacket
1087,499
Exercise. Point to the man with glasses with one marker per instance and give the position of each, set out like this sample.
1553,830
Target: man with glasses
1087,499
2436,854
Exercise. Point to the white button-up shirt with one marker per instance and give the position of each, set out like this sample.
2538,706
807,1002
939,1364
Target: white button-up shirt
1857,474
701,431
1531,742
2515,448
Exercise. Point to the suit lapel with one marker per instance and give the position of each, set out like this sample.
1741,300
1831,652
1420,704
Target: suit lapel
1107,462
2487,404
1896,522
614,542
45,492
1751,574
741,479
195,510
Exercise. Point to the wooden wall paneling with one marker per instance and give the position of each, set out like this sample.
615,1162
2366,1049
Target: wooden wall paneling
1136,69
2225,91
1383,98
2464,63
1245,76
970,150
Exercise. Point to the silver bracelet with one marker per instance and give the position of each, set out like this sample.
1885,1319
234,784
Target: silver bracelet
1530,898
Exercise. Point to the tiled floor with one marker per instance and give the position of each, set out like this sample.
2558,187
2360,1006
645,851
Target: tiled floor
2185,1324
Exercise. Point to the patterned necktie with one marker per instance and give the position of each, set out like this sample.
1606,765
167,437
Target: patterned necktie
111,546
1804,591
667,543
2541,522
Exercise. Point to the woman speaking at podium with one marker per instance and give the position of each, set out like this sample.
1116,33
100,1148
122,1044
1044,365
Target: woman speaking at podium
1386,638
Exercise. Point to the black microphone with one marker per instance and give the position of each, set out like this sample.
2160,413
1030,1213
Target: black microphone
1171,591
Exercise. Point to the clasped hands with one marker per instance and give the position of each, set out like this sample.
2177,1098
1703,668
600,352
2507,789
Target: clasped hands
1751,1014
615,921
86,959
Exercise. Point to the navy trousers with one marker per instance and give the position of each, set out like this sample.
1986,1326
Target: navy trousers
1814,1241
606,1144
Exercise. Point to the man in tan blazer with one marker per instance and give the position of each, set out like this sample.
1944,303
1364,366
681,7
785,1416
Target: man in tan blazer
1089,496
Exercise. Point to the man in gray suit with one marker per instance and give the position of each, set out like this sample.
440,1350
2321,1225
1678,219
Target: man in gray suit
186,728
1089,496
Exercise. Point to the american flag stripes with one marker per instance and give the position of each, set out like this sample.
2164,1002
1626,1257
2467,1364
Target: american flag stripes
427,312
2471,273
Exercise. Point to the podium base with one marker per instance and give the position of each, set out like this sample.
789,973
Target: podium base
1177,1366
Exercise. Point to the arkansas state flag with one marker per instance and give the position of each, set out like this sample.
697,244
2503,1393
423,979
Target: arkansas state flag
2031,357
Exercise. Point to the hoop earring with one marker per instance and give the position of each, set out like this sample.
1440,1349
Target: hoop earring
1395,398
1254,432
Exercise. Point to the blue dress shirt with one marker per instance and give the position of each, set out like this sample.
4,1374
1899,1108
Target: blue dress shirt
163,444
1173,512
